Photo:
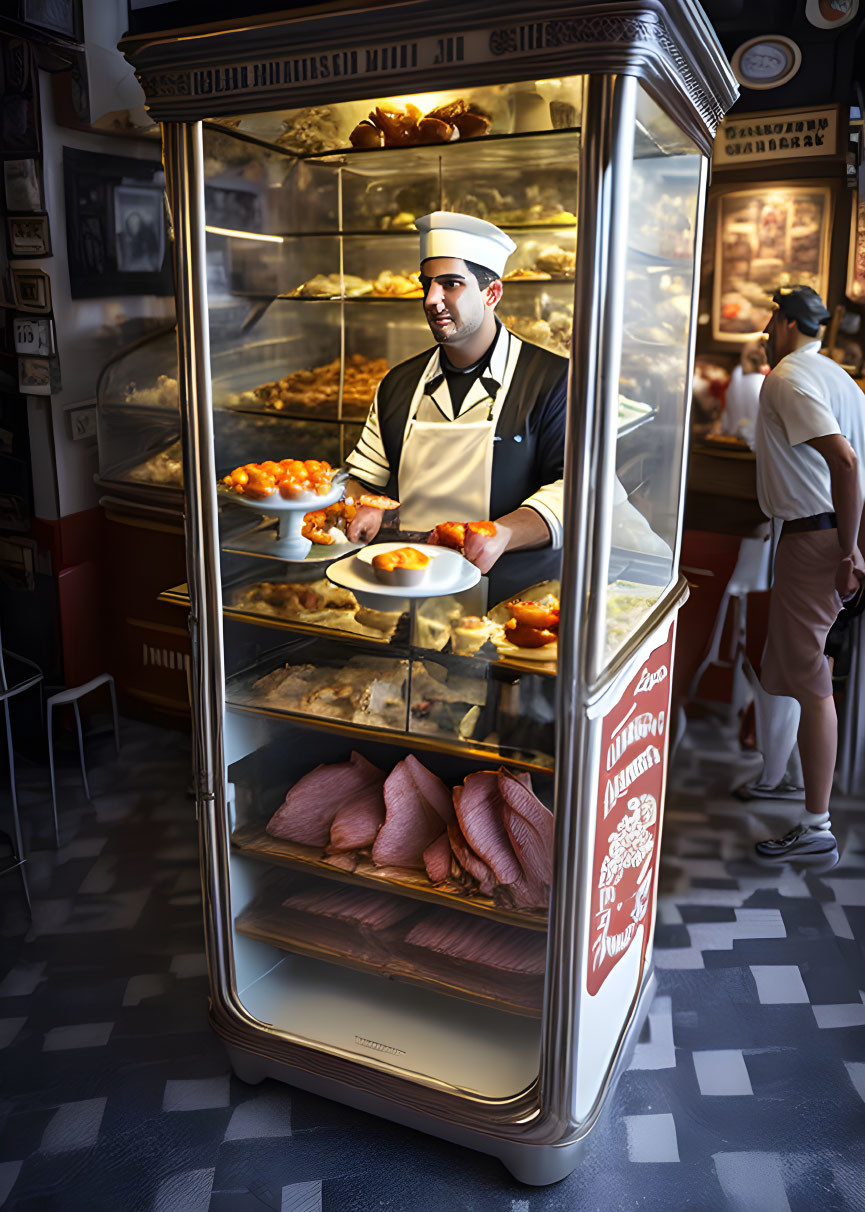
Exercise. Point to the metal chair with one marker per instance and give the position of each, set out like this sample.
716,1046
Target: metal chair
9,689
60,699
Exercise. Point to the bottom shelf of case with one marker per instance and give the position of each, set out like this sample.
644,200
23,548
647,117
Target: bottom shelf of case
428,1036
267,924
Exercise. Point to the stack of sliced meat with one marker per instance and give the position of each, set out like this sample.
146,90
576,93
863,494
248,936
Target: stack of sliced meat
503,839
501,961
490,835
339,805
403,939
336,916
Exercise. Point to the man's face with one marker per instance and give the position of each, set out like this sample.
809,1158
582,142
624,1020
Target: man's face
780,337
454,303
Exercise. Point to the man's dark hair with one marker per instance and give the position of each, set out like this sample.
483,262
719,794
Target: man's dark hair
485,277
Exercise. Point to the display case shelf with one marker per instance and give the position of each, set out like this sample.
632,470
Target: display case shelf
526,149
538,764
266,924
254,842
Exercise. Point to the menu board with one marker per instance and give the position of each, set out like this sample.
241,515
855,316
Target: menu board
766,238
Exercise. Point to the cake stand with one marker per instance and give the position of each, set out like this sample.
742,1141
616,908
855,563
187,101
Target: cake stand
288,543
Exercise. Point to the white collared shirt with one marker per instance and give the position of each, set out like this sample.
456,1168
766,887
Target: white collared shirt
806,396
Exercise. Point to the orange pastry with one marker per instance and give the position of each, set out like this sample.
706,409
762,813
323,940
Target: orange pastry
528,637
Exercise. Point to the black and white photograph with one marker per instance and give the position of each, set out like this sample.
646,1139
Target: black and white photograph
139,230
34,335
32,290
22,182
29,236
115,225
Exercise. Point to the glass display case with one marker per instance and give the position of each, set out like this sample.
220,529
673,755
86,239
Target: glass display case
430,819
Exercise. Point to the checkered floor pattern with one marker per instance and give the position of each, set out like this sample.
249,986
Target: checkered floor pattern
746,1091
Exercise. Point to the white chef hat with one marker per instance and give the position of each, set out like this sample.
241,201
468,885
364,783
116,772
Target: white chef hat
446,233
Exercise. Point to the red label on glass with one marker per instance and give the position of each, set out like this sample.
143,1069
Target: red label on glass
633,761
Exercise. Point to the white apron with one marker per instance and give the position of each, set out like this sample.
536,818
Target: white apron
446,467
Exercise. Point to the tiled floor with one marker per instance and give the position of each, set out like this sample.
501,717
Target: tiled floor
746,1092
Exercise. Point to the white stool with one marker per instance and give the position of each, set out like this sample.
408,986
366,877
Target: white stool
750,574
72,696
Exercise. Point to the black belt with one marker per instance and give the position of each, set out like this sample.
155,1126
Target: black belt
817,521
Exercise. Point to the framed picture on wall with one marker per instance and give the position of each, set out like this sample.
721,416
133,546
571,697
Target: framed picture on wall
29,236
22,183
32,289
115,226
34,335
776,235
856,255
38,376
59,16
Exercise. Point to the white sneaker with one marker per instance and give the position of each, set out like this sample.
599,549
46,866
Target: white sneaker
803,844
761,791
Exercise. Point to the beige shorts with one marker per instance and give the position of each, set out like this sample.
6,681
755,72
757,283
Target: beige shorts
803,606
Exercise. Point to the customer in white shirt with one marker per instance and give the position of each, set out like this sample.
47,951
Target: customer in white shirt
810,447
742,398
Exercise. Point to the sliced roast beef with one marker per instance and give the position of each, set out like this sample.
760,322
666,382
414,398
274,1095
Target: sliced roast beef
479,814
437,859
417,804
353,921
312,803
523,893
344,861
486,958
529,825
465,856
358,821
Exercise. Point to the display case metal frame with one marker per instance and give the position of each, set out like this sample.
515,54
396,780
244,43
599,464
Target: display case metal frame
669,49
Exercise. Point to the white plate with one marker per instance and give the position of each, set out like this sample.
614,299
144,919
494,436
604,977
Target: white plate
448,572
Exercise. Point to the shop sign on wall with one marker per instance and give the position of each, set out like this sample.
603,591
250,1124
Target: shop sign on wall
630,793
789,135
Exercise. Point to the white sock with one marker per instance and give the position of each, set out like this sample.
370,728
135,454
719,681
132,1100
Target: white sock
819,820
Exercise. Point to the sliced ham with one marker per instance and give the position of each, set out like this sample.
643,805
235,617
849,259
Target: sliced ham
356,824
345,862
479,814
310,806
466,857
523,893
529,825
418,806
437,859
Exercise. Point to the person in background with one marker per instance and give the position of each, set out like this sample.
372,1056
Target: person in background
810,448
742,398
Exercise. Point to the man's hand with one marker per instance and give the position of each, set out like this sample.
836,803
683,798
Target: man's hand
483,550
365,524
849,575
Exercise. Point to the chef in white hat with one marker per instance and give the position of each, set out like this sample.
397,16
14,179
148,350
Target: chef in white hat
475,429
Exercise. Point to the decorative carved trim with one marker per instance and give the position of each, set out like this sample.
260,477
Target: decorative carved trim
641,43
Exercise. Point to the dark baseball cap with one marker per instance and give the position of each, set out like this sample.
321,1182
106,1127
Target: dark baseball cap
804,305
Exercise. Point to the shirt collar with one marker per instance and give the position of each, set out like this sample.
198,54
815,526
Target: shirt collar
494,371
